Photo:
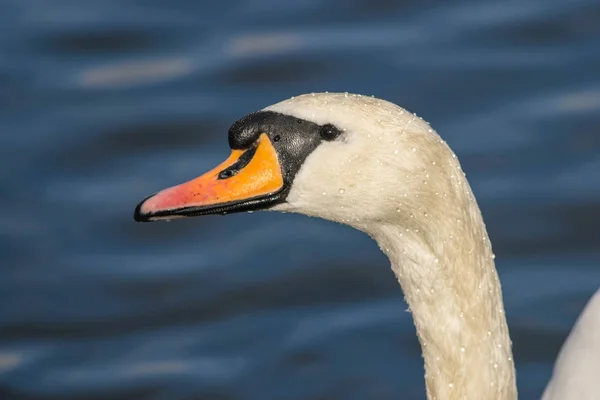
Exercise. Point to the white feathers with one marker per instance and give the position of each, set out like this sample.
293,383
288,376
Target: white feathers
415,202
392,176
577,370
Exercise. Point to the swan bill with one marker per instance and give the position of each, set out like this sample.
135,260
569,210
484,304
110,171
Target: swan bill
268,150
250,179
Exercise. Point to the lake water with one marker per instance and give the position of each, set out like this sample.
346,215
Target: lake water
106,101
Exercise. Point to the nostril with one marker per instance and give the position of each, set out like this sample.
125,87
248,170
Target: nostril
226,174
239,164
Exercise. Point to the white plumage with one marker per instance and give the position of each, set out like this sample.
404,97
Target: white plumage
393,177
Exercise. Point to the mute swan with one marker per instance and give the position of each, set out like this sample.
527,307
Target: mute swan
374,166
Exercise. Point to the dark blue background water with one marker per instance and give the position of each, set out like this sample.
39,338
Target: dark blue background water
103,102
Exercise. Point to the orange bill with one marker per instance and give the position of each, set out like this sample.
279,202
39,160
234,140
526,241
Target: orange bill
242,180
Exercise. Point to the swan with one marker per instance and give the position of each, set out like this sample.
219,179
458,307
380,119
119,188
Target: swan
372,165
577,368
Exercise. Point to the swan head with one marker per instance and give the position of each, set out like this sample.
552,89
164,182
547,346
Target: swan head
347,158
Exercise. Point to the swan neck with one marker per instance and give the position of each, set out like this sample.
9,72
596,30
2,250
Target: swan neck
452,289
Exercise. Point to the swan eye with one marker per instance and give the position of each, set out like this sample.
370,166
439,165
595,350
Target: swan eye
329,132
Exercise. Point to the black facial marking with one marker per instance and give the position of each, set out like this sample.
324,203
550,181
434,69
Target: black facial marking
293,138
244,160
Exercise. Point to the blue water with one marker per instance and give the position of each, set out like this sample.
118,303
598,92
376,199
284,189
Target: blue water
105,101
